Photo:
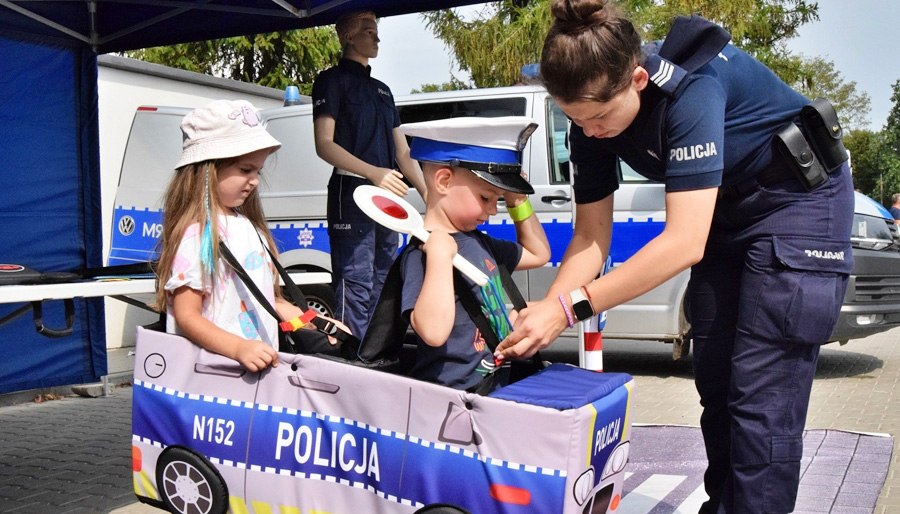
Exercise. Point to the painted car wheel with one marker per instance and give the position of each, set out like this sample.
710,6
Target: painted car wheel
188,484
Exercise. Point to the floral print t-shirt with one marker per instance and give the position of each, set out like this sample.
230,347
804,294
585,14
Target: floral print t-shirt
226,300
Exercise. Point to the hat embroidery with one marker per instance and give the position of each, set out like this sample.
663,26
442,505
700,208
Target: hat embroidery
250,117
524,135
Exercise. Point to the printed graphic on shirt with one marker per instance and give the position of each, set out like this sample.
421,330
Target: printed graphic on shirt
253,260
478,342
249,323
485,366
493,305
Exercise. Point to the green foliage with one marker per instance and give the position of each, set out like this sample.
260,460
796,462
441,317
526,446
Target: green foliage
890,150
454,85
495,45
759,27
276,59
875,156
819,78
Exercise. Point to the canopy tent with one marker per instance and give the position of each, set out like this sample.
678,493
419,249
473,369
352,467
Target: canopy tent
115,25
50,218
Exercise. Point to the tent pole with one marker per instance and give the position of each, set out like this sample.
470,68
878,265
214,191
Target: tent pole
94,38
45,21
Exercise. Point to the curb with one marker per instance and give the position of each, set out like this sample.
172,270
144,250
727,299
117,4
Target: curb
91,390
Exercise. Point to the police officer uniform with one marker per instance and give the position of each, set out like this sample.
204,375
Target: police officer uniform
361,250
769,288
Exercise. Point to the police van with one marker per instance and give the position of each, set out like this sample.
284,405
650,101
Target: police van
294,197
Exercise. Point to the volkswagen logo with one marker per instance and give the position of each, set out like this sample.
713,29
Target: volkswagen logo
126,225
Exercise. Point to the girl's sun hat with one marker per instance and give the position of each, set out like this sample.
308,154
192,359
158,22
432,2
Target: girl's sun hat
223,129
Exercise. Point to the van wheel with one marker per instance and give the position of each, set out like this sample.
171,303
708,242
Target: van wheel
320,298
189,484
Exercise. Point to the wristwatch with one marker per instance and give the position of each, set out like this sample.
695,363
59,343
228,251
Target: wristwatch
581,306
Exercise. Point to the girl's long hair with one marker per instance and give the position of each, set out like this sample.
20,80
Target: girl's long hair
590,51
185,204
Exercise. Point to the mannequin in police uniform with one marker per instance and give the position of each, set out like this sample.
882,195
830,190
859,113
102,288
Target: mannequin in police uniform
769,257
355,128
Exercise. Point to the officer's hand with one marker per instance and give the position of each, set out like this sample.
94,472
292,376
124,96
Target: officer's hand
534,328
392,180
256,355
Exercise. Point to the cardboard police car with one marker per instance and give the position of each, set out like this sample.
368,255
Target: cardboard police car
315,435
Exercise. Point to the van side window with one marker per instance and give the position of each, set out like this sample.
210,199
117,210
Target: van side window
628,175
487,108
558,143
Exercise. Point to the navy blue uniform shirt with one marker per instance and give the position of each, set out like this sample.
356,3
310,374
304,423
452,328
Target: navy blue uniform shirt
363,110
716,130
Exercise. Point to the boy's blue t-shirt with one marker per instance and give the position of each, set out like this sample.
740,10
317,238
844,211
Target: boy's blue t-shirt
464,359
895,212
716,130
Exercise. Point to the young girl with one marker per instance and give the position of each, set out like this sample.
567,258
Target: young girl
214,197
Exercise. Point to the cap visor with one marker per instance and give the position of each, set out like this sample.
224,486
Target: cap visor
511,182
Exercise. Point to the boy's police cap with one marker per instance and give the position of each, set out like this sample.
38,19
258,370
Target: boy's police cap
488,147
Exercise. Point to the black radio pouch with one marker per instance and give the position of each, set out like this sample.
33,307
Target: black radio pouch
801,158
824,132
813,155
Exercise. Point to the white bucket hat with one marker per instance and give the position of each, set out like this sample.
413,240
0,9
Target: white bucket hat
222,129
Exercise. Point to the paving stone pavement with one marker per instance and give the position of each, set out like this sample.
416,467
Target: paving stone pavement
73,455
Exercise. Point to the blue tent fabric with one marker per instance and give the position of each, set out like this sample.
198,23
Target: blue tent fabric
50,213
50,216
120,25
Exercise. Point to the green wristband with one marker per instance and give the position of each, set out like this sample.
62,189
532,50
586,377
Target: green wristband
521,212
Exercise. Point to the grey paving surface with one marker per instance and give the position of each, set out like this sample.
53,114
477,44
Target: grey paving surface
72,455
857,388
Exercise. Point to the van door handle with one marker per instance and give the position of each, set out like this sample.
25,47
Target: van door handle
556,198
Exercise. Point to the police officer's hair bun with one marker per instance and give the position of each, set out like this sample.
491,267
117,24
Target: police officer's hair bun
577,14
590,51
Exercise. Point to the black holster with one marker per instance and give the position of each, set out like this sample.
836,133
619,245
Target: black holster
817,150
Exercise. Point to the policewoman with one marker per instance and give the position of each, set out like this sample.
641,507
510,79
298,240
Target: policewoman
355,129
759,206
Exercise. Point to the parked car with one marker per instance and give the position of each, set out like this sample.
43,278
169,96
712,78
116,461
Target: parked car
294,196
872,302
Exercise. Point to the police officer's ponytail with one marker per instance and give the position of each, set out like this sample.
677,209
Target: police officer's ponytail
590,51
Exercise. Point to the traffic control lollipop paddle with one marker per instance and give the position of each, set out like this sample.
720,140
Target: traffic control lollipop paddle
395,213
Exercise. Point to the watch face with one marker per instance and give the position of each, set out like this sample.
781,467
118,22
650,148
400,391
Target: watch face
582,310
581,306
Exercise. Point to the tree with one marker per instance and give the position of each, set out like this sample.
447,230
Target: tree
508,34
875,156
454,85
498,42
276,59
864,159
818,78
890,148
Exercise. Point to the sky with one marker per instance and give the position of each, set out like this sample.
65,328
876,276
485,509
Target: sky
862,38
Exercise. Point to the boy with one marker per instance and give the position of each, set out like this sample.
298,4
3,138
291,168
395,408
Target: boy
468,164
